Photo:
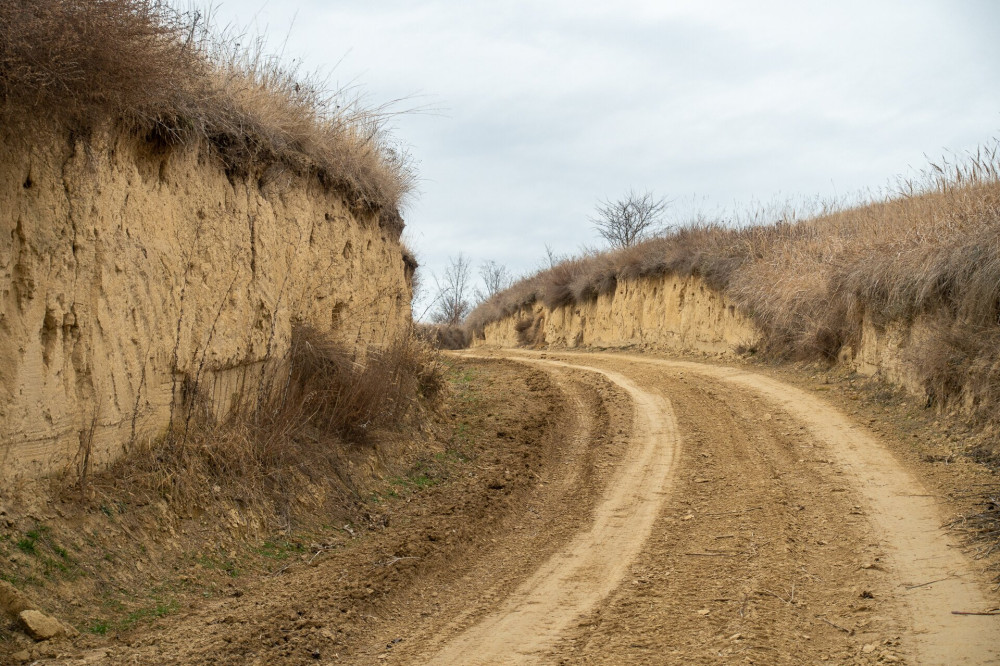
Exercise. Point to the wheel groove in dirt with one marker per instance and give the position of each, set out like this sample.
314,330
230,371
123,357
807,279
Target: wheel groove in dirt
576,578
907,517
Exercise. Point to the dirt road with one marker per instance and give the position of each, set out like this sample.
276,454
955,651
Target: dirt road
814,531
583,572
685,513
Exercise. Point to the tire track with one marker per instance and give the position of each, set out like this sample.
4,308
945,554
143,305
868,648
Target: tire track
576,578
932,575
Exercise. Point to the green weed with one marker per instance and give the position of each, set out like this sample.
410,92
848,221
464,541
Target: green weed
279,550
99,627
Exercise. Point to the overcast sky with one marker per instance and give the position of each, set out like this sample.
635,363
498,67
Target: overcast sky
545,107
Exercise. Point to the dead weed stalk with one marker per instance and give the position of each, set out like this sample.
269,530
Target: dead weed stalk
284,446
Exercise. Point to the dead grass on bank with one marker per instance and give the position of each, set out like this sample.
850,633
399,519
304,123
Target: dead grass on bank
443,336
171,77
283,450
930,251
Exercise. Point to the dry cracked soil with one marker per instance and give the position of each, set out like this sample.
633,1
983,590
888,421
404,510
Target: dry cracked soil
628,510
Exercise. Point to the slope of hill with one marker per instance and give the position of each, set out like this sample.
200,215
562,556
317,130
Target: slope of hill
906,287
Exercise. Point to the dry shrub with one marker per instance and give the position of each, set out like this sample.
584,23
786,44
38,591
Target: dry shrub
171,77
960,361
931,250
289,438
525,330
443,336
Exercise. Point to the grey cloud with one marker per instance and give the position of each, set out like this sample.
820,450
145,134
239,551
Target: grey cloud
548,106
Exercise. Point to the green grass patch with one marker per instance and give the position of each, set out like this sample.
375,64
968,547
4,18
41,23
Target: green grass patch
27,546
99,627
52,557
143,615
278,549
148,614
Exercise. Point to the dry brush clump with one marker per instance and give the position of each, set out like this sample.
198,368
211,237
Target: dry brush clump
442,336
929,251
171,77
286,442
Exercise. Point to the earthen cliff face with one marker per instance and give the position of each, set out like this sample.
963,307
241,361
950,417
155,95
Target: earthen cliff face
658,313
674,313
132,272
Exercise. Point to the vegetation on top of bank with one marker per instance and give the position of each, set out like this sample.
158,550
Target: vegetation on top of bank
171,77
928,250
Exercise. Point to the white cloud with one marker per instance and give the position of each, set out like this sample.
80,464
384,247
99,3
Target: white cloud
548,106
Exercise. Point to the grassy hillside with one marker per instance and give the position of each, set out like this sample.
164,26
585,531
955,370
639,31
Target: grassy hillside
170,77
928,250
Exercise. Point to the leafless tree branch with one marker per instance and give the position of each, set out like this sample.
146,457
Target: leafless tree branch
626,221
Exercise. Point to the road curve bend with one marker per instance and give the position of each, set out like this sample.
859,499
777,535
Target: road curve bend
577,577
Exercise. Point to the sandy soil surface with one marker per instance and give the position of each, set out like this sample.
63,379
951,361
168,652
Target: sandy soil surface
648,511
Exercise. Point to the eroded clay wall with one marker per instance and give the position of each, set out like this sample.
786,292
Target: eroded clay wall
659,313
130,271
669,312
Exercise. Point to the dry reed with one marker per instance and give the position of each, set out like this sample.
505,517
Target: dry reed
288,437
171,77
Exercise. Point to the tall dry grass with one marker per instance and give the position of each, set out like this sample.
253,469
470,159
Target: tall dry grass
928,250
442,336
172,77
287,440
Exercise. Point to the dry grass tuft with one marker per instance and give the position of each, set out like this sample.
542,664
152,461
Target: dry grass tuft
443,336
290,437
930,251
170,77
983,529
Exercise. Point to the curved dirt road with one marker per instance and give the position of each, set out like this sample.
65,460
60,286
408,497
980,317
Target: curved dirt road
667,512
588,568
885,573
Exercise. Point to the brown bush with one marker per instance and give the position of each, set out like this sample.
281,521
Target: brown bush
170,77
292,431
443,336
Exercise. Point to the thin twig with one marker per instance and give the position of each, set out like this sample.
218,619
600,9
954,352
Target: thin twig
393,560
790,600
711,554
731,513
835,626
931,582
282,569
992,611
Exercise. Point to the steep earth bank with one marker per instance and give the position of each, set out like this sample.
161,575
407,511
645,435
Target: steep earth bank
661,313
674,313
135,272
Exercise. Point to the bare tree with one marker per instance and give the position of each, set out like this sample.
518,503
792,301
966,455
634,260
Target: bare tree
628,220
453,293
496,278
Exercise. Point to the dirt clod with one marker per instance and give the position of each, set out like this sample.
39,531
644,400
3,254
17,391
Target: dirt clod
40,626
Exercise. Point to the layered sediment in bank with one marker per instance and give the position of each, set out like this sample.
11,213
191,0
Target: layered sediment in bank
136,275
